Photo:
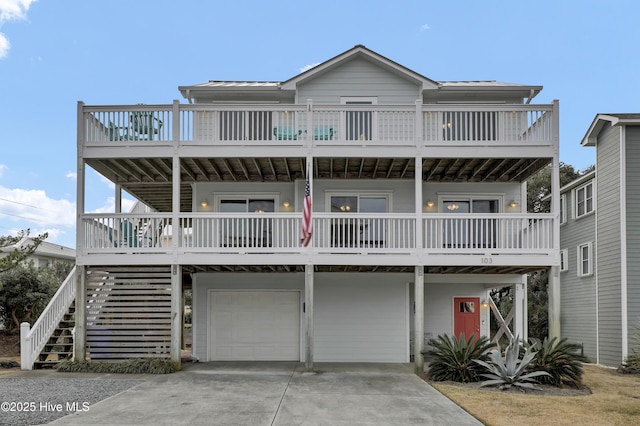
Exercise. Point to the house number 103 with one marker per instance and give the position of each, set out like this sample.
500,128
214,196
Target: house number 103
487,260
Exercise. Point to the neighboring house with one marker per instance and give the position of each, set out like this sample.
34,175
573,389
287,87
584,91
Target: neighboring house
417,190
600,242
44,254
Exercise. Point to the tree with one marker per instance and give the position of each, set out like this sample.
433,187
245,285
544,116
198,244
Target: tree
15,257
538,188
24,292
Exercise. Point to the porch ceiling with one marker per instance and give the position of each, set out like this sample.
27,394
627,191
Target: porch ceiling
188,269
150,179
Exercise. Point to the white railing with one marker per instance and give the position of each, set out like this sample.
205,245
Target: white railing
443,233
364,232
323,124
489,124
33,340
246,232
127,232
488,233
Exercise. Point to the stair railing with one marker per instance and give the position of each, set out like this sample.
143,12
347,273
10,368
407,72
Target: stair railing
33,339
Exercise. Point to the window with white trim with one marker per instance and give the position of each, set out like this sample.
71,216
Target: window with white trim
563,208
564,260
585,260
584,199
366,231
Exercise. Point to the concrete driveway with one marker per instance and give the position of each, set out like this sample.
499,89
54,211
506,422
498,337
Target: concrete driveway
278,394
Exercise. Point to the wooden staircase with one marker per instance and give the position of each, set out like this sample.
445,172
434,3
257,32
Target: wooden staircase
60,345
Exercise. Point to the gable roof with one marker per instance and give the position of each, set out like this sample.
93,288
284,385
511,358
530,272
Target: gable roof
358,52
361,52
590,138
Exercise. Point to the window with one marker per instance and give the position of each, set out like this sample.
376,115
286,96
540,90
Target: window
245,125
361,231
563,208
469,126
585,262
246,230
469,232
359,124
584,199
564,260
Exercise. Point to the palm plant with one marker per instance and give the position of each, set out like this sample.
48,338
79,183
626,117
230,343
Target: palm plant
560,358
453,358
510,370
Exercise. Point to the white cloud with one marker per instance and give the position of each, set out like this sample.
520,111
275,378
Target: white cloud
4,46
33,205
11,10
72,175
308,67
110,205
2,169
425,27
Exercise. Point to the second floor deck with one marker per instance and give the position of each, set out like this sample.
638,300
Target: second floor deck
482,240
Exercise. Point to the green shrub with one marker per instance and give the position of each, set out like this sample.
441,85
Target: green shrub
560,358
510,371
631,364
131,366
453,358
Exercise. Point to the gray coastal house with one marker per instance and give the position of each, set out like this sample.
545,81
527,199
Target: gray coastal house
348,213
600,244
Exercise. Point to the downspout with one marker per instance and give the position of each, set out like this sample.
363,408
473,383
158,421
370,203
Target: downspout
530,98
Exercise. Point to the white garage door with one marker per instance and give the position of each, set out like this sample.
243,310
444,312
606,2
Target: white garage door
364,321
254,325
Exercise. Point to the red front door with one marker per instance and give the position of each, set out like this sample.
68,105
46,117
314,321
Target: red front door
466,316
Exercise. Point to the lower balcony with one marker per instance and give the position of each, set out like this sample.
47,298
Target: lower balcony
444,238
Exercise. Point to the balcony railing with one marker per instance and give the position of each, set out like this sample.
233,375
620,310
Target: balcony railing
319,124
334,233
489,233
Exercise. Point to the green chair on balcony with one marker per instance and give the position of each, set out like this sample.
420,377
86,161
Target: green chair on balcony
145,125
117,133
323,133
286,133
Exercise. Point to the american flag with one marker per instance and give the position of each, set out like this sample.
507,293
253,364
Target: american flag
307,225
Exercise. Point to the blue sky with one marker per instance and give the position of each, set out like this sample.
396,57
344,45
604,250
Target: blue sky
104,52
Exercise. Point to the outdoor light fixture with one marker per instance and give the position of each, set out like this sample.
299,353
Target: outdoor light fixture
204,202
431,203
484,303
286,204
513,204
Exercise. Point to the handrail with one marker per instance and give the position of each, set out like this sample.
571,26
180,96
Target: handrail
403,124
33,340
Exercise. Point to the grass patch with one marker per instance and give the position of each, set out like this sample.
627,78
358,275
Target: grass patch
613,401
131,366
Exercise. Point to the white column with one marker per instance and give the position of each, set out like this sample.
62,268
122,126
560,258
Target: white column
553,292
80,333
418,326
176,312
308,317
553,289
520,311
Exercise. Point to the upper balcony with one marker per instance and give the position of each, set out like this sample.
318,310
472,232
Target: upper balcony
470,242
323,127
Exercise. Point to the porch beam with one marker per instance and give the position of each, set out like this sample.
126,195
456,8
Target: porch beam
418,326
80,333
176,312
308,316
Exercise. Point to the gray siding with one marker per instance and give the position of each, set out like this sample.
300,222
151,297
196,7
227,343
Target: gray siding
578,294
359,78
608,250
633,234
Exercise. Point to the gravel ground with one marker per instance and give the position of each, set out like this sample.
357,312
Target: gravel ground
36,401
